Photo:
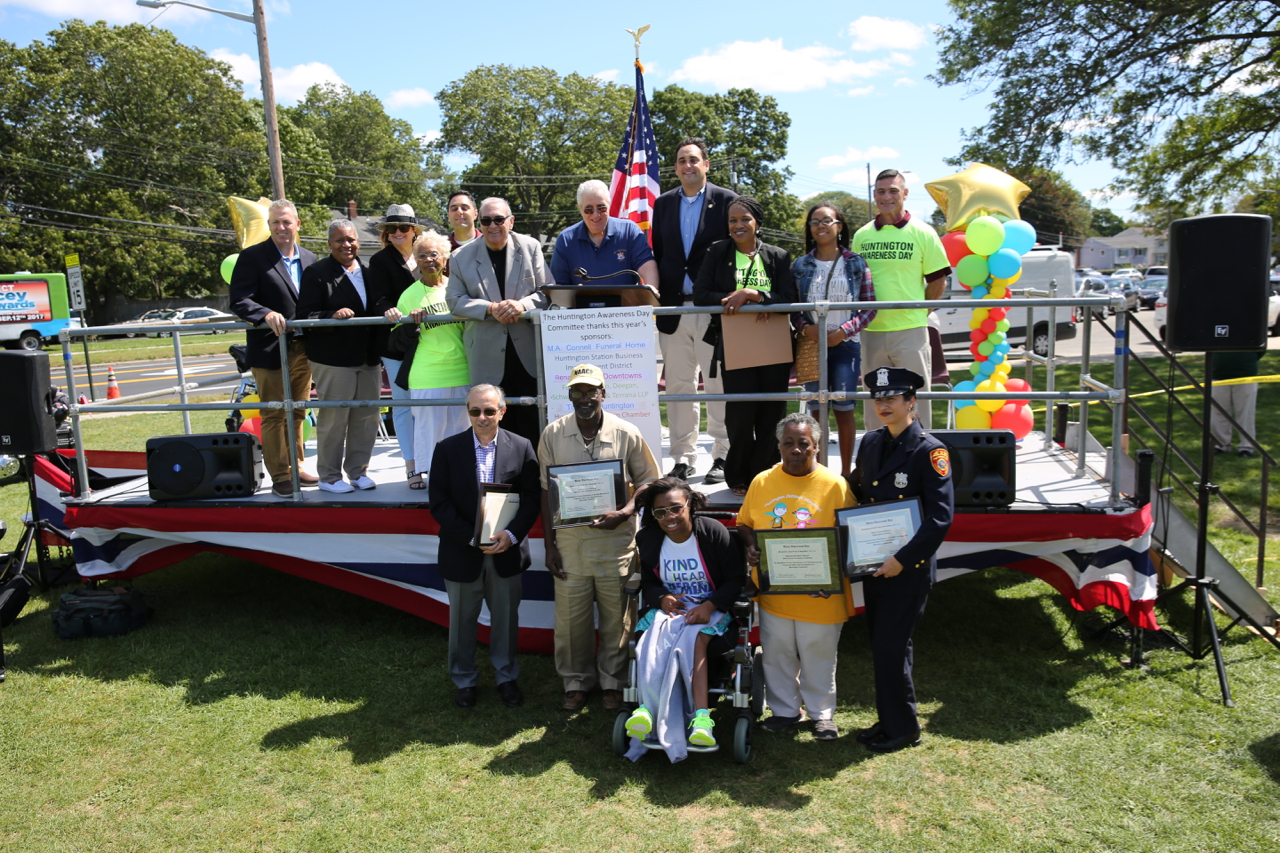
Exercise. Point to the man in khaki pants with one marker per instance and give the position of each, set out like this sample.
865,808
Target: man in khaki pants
591,564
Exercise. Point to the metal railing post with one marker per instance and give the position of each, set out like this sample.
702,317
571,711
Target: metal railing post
824,416
1083,425
82,466
291,439
536,318
1119,382
1051,365
182,381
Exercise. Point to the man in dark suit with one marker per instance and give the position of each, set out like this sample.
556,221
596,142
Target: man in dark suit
687,220
264,290
474,573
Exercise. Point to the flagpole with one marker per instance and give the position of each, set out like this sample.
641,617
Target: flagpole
637,34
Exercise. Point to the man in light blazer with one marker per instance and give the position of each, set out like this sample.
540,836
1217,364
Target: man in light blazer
495,280
491,574
264,290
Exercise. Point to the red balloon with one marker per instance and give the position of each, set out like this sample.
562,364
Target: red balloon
1015,386
998,314
252,425
988,325
977,336
955,247
973,348
1013,417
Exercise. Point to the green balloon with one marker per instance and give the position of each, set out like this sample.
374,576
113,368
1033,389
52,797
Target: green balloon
975,368
972,270
986,348
229,264
996,338
984,235
1002,326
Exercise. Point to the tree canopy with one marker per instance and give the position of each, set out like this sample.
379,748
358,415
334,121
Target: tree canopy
1180,95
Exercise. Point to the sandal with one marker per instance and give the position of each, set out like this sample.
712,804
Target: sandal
740,491
415,482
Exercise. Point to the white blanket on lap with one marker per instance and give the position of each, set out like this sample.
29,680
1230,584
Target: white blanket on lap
665,665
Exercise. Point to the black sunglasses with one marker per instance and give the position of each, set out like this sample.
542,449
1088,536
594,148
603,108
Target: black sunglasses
486,221
403,228
488,413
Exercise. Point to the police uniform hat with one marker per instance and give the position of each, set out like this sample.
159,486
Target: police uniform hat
892,381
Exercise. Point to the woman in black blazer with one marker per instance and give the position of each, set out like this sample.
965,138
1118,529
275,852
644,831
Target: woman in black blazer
344,361
736,272
391,270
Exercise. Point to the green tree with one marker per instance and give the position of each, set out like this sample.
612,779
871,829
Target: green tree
1104,223
741,126
534,135
1180,95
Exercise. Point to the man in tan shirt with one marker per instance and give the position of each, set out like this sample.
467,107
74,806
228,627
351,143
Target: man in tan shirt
591,564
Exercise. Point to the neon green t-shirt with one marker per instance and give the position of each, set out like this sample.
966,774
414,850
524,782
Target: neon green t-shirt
749,272
440,361
898,259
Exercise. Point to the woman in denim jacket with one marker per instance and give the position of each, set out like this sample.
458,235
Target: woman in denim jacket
829,272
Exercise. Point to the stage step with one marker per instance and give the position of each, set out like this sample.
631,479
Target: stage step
1177,535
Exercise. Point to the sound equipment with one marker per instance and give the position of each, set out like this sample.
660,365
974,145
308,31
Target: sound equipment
1219,271
982,465
26,416
215,465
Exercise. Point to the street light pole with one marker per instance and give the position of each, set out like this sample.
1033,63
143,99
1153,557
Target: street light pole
259,21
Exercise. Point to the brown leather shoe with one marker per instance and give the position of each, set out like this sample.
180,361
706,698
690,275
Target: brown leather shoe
574,700
612,700
282,490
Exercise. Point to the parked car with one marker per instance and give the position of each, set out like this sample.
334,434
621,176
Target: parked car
1106,286
1157,270
1081,272
1128,272
207,315
1151,288
1160,321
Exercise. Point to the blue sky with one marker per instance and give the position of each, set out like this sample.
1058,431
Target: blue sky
853,77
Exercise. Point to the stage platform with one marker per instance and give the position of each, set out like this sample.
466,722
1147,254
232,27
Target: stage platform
382,543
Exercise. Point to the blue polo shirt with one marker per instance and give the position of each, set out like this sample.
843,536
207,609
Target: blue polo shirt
624,247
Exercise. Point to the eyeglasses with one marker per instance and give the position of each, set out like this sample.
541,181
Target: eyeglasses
661,512
488,413
403,228
428,256
486,221
599,208
584,395
814,223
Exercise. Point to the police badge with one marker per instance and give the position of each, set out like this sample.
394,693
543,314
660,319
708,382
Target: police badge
882,376
900,480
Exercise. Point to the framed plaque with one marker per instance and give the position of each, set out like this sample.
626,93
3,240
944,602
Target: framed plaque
794,561
874,532
496,508
582,492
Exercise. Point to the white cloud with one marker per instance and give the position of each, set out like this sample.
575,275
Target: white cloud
768,66
904,81
859,91
610,76
853,155
291,83
418,97
244,68
901,58
871,33
853,176
429,136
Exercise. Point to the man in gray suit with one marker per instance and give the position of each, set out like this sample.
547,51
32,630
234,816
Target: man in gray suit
495,280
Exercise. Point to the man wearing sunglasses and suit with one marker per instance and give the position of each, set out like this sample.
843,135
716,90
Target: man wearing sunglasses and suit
495,280
475,572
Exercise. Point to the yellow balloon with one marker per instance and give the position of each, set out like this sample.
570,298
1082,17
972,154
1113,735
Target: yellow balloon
980,314
979,190
971,417
1010,280
250,413
1001,373
989,386
998,291
249,218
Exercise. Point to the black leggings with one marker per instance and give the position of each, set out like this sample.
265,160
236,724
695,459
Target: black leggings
753,426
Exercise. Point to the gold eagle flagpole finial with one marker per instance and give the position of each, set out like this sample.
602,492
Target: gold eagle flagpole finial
637,34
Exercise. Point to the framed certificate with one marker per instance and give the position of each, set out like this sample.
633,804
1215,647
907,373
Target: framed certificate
584,491
800,561
874,532
497,507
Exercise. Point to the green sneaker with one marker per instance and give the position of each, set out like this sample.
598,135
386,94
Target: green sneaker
640,723
702,726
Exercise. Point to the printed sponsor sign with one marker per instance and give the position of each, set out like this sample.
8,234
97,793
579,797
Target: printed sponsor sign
25,302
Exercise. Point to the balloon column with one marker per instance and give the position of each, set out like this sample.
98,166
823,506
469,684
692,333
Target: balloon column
985,244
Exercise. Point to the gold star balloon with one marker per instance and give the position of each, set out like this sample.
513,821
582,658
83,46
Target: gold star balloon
979,190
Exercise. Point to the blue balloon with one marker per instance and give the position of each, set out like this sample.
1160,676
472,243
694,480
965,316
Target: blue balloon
987,367
1018,236
979,292
1002,348
1005,263
965,387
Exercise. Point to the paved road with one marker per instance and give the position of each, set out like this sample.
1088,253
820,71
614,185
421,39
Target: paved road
141,376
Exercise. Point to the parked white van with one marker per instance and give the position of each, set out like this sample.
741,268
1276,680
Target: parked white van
1040,266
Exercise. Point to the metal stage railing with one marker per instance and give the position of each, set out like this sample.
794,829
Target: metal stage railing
1090,389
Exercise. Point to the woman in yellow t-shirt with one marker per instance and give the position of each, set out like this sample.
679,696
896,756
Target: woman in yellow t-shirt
435,362
799,633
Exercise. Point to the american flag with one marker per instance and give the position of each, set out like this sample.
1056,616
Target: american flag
635,176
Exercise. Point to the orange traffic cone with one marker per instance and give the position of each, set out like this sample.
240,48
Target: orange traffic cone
113,390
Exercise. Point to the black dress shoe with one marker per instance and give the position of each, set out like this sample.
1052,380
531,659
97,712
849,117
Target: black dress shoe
867,735
510,693
465,697
885,745
681,471
716,474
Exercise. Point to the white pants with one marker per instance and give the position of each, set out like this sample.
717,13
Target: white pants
433,424
683,351
1241,401
799,665
907,348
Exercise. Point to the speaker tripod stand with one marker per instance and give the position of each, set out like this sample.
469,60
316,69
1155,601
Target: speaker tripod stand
15,566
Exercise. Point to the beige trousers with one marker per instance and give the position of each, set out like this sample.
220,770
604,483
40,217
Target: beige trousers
275,437
907,348
597,567
345,437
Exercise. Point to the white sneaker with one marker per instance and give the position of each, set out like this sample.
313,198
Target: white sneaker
363,483
339,487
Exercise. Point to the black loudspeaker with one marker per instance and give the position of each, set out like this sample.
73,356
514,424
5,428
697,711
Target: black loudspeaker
1219,282
217,465
982,465
26,415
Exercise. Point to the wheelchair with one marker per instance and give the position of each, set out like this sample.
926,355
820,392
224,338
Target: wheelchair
737,674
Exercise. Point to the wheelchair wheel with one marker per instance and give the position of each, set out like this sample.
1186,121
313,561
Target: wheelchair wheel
757,683
742,748
621,740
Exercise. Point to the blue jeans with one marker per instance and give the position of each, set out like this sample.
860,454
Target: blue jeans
401,416
844,367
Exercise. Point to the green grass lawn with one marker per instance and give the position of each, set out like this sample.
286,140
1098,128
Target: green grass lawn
118,350
258,711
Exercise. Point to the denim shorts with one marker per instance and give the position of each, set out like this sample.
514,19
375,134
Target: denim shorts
844,369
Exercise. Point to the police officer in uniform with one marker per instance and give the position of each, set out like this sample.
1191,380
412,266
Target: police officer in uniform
895,462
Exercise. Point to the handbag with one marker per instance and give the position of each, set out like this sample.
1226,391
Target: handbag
807,367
